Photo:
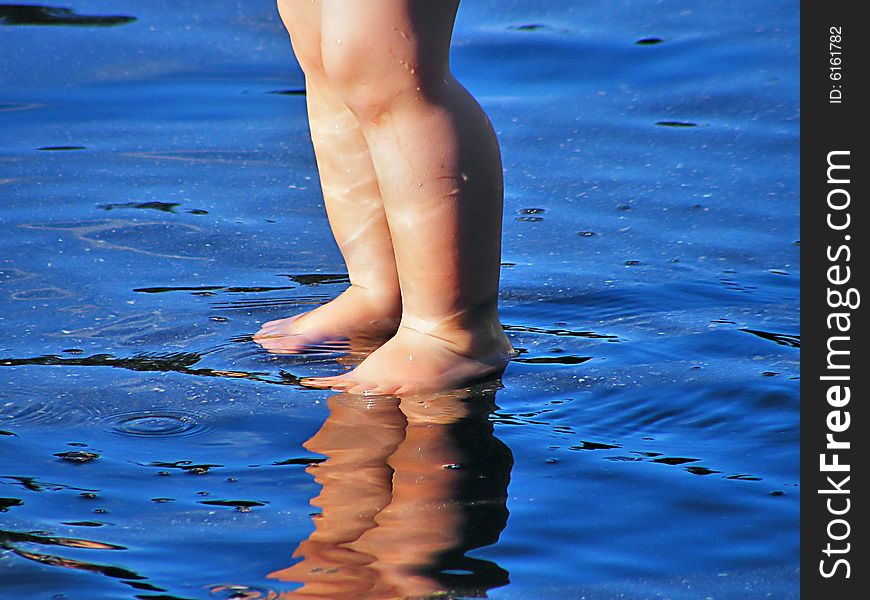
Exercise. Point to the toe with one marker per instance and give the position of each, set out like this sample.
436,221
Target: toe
325,382
362,388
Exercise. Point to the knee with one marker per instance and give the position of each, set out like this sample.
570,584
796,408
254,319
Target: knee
304,37
369,81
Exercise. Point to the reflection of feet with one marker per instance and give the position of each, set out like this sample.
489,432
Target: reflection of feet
445,357
357,314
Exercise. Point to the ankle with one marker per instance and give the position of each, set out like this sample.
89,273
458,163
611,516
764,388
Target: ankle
466,334
385,299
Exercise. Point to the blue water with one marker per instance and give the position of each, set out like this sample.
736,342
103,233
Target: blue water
160,201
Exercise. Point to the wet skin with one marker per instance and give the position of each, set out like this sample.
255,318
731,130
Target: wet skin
412,182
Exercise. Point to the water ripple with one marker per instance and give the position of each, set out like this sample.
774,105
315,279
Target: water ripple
156,423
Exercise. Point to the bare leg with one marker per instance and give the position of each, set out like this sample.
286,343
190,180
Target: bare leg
371,306
439,173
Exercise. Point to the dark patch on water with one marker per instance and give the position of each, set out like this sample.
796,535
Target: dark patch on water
165,207
7,503
241,505
31,14
35,485
213,288
61,148
319,278
695,470
554,360
184,465
783,339
676,124
8,433
530,27
84,523
305,461
594,446
141,585
162,290
674,460
291,92
77,456
181,362
649,41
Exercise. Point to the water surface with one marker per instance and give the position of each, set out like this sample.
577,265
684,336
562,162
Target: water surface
160,201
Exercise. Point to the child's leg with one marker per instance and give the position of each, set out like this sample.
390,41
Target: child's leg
439,172
371,306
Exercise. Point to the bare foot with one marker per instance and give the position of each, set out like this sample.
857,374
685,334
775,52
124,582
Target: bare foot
358,314
425,359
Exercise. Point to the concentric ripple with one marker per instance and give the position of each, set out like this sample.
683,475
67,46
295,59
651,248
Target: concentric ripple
157,423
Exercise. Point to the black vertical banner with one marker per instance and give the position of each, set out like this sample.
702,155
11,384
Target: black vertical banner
834,263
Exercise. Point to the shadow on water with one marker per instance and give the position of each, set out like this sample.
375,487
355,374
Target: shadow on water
31,14
409,486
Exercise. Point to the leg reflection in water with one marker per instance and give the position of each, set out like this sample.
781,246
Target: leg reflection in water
409,486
